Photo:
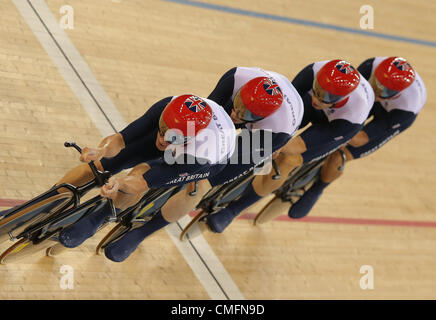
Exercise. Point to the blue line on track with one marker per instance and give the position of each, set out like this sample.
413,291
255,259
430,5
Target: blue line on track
308,23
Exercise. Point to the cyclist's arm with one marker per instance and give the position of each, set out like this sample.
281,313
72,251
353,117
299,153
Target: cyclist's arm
145,124
279,139
164,175
263,143
108,147
112,145
321,139
303,81
365,68
158,175
383,126
134,183
224,89
310,115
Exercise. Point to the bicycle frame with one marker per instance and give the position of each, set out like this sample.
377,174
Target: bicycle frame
218,197
150,203
154,199
299,179
35,230
46,226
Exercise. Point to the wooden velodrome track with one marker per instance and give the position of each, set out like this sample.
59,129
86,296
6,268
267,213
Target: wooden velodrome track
381,213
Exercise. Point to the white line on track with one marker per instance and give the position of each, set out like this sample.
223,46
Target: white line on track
197,253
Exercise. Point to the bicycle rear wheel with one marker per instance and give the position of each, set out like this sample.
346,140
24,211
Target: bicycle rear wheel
117,232
46,239
273,209
15,223
191,226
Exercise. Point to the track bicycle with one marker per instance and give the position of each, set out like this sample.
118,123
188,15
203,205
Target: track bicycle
219,197
38,231
298,182
35,224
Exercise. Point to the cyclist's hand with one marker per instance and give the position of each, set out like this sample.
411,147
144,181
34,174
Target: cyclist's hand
110,189
91,154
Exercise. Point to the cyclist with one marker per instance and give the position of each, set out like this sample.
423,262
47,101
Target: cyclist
257,101
400,94
179,140
336,104
261,103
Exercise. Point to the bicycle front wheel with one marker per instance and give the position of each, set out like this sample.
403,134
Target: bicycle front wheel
23,248
12,225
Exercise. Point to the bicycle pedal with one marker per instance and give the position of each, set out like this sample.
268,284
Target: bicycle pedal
147,218
112,219
45,229
296,194
219,208
11,236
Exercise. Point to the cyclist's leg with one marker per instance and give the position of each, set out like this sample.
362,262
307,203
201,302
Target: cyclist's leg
127,158
219,221
75,234
182,203
333,168
83,174
261,186
76,176
265,184
330,171
79,175
361,147
176,207
86,227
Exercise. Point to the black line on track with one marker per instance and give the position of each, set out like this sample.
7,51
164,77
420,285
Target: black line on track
72,66
204,262
115,130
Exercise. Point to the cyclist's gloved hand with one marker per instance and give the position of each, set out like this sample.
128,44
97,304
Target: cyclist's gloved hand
91,154
110,189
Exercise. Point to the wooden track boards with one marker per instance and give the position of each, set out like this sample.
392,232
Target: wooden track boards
141,51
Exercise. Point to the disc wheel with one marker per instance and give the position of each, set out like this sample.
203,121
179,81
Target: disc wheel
260,216
191,224
112,235
55,250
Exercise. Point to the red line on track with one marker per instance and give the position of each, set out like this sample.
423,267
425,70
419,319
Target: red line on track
309,219
10,202
355,221
358,221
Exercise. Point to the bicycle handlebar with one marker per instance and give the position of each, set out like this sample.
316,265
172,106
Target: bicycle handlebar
101,177
69,144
